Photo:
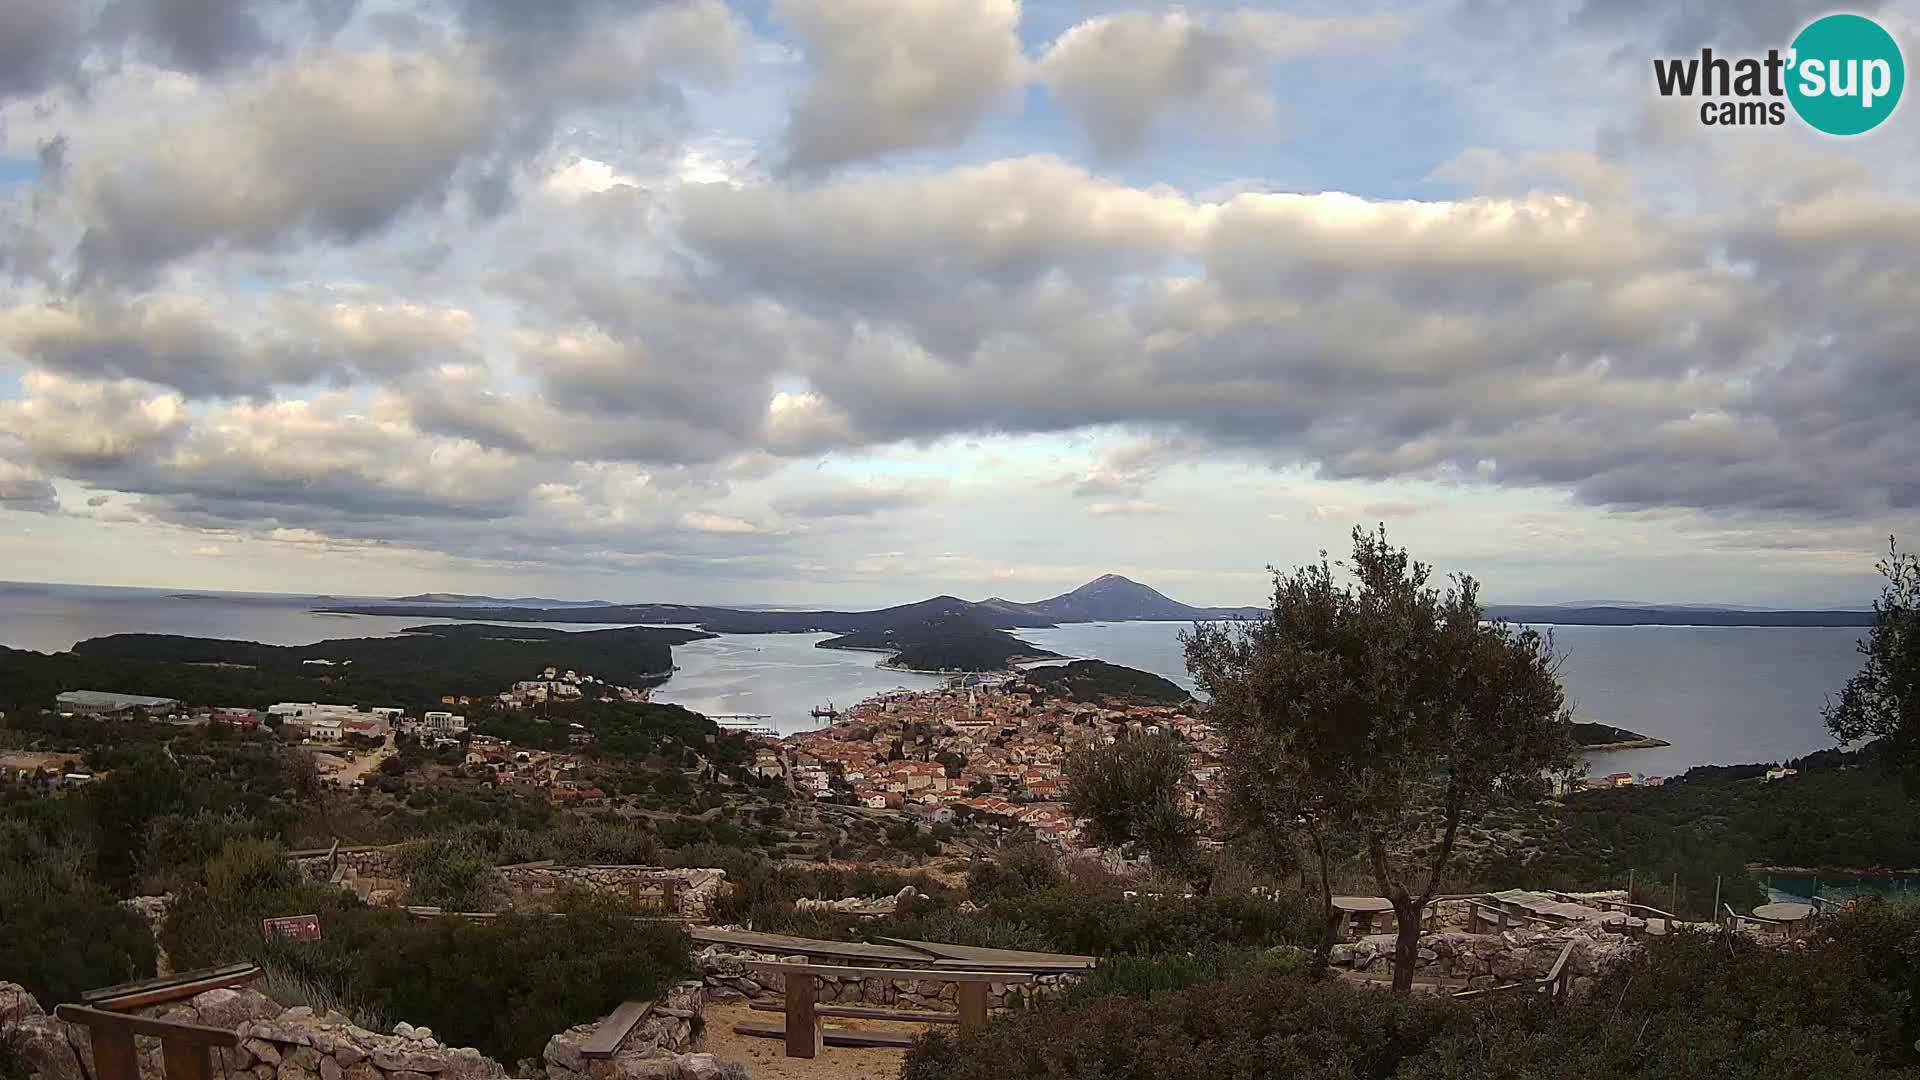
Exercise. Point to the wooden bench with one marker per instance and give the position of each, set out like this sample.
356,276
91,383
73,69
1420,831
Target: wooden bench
125,997
183,1047
867,1012
613,1031
805,1036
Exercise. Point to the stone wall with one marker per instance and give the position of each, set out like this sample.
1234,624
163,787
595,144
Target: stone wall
275,1043
728,978
656,1048
295,1044
376,876
1491,959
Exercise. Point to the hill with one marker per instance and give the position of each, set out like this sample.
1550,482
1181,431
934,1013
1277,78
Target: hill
1101,683
412,671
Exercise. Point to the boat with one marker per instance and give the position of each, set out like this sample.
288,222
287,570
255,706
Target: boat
825,712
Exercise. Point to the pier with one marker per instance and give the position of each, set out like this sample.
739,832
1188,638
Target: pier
746,723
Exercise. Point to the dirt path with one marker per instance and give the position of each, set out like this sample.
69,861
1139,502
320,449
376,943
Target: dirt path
766,1058
335,766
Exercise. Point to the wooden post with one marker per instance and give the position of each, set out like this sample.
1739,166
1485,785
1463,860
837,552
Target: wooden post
670,896
185,1060
114,1057
1673,894
973,1004
1629,885
1715,909
803,1024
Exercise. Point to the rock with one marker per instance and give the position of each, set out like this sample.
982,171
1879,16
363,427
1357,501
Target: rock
305,1058
16,1004
564,1053
1427,956
239,1057
470,1065
278,1033
298,1012
362,1070
1341,955
406,1061
330,1069
403,1029
295,1072
264,1071
268,1053
703,1066
41,1042
629,1067
424,1034
405,1074
347,1053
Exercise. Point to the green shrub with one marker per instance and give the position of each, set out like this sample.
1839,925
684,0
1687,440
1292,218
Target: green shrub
60,932
450,874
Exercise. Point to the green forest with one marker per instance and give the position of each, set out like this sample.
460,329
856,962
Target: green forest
412,671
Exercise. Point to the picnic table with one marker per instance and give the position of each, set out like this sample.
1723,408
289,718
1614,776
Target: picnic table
1357,912
1785,914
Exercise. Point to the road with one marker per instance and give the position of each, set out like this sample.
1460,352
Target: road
335,766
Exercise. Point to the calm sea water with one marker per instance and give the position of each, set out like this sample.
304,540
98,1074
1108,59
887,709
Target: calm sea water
1720,695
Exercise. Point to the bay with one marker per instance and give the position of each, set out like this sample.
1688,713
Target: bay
1720,695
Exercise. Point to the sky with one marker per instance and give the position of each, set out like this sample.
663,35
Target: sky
858,301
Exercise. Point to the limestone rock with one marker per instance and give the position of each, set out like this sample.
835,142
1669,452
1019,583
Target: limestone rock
702,1066
362,1070
330,1069
41,1042
348,1053
300,1057
406,1061
295,1072
266,1052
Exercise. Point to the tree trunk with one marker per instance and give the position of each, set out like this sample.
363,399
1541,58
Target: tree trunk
1330,919
1406,946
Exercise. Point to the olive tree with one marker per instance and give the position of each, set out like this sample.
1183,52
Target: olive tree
1128,792
1882,700
1377,706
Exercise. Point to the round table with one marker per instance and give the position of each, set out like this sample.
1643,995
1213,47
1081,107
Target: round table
1360,910
1784,914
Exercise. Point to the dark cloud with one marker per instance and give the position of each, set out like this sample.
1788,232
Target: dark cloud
1724,25
201,36
40,44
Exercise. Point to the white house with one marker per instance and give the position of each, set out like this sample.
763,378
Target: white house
443,722
326,730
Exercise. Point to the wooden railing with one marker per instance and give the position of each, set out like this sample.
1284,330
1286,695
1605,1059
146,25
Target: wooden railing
1555,982
183,1047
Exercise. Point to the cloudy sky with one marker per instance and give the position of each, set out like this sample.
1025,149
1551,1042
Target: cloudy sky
860,300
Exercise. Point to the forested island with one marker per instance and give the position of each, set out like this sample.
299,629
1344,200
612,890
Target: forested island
942,648
414,669
1098,682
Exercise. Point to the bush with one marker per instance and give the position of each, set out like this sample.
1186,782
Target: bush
449,874
60,932
1686,1008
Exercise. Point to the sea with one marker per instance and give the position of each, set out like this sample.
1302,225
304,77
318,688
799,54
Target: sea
1718,695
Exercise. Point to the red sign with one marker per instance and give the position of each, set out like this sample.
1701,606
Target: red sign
292,927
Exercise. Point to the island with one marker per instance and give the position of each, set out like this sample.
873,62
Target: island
417,669
1100,683
942,649
1592,737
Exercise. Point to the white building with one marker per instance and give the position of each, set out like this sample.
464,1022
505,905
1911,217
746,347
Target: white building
444,723
326,730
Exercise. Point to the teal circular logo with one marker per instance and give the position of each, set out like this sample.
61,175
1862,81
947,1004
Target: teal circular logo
1845,74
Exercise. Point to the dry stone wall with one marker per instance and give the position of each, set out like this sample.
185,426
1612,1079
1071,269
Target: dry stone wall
1483,960
728,978
377,876
275,1043
656,1049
